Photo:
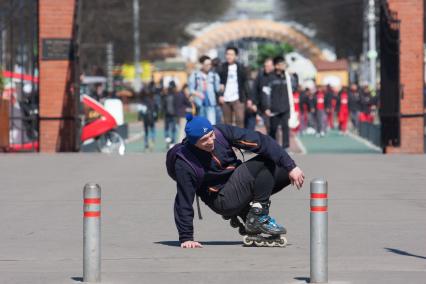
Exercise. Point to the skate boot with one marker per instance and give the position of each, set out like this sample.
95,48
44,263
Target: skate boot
259,222
238,221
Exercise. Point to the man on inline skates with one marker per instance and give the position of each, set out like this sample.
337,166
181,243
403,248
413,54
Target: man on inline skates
205,164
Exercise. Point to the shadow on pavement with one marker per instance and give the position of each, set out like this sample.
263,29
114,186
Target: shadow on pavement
208,243
306,279
401,252
77,279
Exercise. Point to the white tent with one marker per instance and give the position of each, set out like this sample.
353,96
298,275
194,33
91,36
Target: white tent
302,66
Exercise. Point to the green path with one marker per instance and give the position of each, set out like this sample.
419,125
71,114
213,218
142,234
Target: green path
333,142
138,145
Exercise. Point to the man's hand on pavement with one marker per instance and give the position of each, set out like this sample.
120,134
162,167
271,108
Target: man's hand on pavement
297,177
190,244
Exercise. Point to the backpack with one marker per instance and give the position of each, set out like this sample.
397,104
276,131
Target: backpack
181,151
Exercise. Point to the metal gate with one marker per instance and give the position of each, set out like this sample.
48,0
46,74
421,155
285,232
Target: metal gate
19,71
390,77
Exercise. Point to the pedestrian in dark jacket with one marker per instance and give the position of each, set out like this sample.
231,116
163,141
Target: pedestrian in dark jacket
149,115
182,106
331,96
320,114
231,187
366,103
354,105
276,102
262,80
170,114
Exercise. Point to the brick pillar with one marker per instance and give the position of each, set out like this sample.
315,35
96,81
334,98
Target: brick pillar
57,128
410,13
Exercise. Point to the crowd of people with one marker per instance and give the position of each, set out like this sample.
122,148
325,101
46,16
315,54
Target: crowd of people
226,93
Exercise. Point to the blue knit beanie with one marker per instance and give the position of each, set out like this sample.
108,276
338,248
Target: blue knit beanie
196,127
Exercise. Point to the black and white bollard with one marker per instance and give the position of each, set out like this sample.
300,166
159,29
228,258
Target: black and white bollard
92,233
319,231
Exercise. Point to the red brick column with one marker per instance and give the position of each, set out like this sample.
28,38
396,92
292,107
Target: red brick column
57,129
410,12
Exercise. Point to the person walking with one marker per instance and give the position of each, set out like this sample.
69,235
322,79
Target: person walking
354,106
262,81
169,107
330,104
343,110
276,103
366,103
182,106
233,96
320,115
204,84
149,116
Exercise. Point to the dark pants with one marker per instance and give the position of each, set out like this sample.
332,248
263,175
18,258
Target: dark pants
354,119
250,120
321,121
149,127
170,127
255,180
275,121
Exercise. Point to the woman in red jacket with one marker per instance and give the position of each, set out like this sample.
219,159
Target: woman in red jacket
343,109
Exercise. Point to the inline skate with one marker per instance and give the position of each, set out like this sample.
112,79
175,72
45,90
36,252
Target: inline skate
261,229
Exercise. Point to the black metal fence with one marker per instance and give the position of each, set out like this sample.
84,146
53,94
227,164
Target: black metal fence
390,77
19,64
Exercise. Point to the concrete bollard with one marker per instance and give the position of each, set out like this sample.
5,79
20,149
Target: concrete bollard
92,233
319,231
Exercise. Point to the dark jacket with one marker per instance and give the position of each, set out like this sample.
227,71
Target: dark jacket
365,102
151,114
305,103
169,104
354,101
219,166
330,100
277,99
262,80
181,104
242,80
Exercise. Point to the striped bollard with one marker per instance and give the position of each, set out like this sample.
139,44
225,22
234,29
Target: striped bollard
319,231
92,233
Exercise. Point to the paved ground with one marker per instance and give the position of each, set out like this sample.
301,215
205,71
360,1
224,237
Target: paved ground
377,222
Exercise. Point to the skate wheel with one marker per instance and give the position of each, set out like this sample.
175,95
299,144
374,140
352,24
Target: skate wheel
259,243
247,242
270,243
242,231
234,223
282,242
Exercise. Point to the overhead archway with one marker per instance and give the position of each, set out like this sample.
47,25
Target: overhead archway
218,35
